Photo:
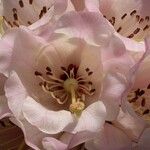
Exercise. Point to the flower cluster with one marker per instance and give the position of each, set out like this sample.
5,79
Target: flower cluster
74,74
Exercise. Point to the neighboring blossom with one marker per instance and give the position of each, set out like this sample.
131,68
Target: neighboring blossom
130,19
27,12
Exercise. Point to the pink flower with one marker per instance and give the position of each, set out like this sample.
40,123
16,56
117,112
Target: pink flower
130,19
55,81
134,119
26,13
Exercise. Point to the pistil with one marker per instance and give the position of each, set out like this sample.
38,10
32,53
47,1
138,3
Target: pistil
76,106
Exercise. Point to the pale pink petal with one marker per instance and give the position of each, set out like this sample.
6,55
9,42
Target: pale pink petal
118,7
90,26
113,87
110,138
132,45
81,137
115,56
6,52
117,64
27,12
142,76
92,5
132,125
16,94
50,143
48,121
127,24
92,118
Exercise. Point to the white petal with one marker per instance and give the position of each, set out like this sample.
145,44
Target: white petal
16,94
50,143
92,118
48,121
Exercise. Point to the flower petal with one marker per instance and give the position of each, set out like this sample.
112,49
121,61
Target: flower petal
50,143
47,121
110,138
144,143
132,125
16,94
113,87
92,118
90,26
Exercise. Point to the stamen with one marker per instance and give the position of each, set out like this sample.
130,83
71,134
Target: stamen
139,100
30,2
21,3
119,29
133,12
123,16
68,86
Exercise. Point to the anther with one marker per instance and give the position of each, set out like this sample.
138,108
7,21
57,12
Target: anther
136,31
87,69
37,73
21,3
90,83
147,18
123,16
44,9
48,69
133,12
146,111
131,36
141,20
146,27
113,20
137,18
29,22
15,16
90,73
143,102
119,29
63,68
30,2
14,10
16,24
148,87
92,90
41,14
49,73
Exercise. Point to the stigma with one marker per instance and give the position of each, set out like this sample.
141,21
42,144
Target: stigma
69,86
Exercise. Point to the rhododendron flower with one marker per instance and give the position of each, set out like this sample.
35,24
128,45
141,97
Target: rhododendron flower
57,84
129,18
134,119
22,12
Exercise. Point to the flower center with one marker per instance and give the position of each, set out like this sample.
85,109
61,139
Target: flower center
69,86
15,19
140,101
131,25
